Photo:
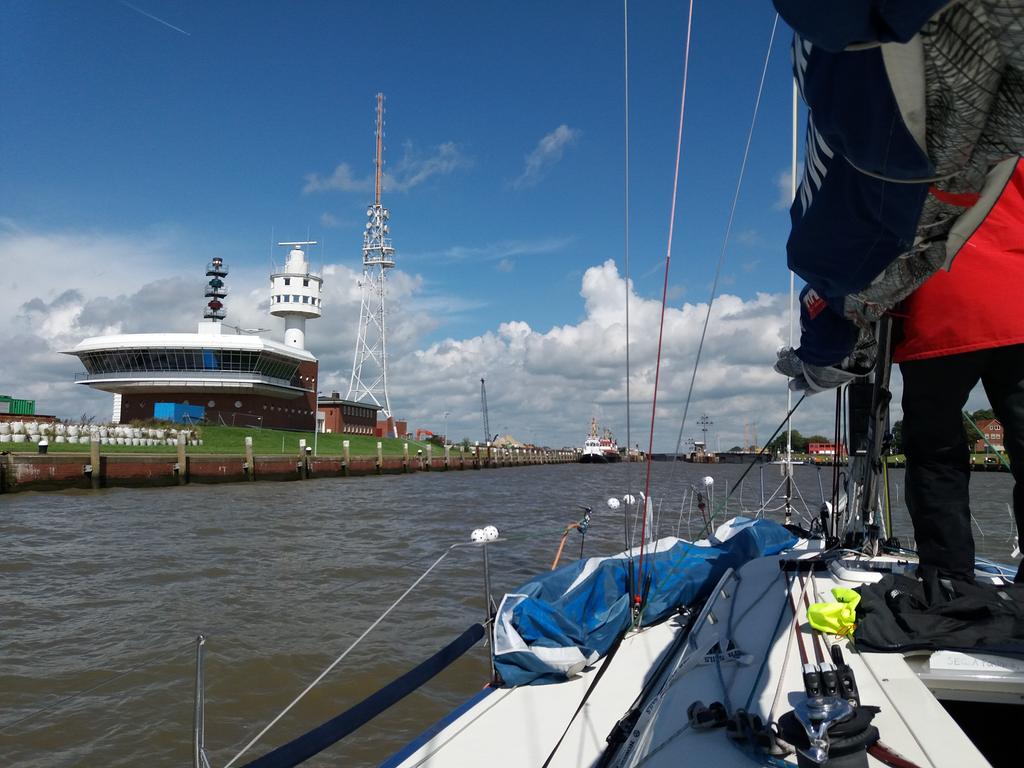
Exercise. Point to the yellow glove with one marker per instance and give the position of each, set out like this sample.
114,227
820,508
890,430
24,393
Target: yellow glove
837,618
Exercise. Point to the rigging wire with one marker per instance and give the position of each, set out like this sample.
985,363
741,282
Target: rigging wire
728,233
625,49
338,660
664,294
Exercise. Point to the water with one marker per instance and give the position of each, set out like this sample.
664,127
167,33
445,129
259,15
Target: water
282,577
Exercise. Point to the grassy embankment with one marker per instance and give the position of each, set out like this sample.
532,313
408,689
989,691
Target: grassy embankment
231,440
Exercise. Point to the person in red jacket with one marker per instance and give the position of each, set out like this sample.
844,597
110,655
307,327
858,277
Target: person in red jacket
960,327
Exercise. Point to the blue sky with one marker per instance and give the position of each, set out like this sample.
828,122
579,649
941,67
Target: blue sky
116,121
173,131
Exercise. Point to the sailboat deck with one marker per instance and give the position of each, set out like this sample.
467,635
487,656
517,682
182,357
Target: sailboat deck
743,651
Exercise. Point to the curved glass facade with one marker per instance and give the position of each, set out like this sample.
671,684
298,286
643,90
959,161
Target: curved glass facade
168,360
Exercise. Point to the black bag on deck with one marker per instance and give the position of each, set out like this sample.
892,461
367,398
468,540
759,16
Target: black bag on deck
899,613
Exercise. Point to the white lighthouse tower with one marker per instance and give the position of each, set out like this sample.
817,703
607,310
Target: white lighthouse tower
295,294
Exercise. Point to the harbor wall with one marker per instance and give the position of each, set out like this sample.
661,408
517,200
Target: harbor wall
62,471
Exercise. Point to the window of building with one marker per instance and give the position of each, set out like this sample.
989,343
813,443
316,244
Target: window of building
287,298
305,283
287,281
305,299
295,299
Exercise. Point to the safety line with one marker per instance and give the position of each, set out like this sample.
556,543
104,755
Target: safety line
338,660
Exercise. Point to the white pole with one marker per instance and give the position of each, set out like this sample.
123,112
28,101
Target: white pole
316,416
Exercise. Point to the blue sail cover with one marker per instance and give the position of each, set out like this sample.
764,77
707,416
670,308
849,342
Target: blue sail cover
567,619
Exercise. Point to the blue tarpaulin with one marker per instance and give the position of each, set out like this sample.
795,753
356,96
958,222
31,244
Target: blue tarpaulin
556,624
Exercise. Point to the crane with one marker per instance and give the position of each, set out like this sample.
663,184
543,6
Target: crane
483,409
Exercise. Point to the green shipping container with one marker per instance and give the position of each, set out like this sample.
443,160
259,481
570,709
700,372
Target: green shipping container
16,406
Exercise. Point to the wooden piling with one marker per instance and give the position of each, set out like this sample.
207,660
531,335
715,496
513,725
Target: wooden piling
380,457
405,457
430,457
447,456
182,460
250,464
96,477
344,457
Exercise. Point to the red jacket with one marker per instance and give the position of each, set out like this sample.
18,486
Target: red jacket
979,302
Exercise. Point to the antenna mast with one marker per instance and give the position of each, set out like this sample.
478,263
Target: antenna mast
380,149
369,380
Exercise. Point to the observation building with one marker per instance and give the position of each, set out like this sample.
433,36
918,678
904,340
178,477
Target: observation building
236,376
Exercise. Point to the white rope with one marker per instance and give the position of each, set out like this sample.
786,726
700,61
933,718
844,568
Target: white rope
338,660
792,629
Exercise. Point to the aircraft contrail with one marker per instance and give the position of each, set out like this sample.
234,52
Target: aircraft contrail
155,18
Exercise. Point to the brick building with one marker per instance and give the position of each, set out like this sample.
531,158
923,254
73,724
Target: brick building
348,417
993,432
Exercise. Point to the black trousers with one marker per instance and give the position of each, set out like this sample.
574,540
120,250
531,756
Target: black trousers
938,454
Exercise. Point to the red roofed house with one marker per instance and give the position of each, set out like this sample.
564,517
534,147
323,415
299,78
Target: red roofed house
993,432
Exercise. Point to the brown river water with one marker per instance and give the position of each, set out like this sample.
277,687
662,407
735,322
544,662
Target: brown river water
282,577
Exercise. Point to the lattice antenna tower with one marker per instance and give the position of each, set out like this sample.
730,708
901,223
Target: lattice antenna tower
483,410
369,382
705,423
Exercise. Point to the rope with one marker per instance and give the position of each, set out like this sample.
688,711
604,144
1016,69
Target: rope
338,660
625,68
664,290
728,233
174,652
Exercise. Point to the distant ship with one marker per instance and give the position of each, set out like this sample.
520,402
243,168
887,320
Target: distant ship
599,450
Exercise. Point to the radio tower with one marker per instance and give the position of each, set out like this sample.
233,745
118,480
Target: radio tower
370,365
483,410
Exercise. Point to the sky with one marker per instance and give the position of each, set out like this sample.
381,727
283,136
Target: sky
140,139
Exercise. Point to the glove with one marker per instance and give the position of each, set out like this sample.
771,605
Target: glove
804,377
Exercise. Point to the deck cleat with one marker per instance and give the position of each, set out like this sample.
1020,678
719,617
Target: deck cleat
705,718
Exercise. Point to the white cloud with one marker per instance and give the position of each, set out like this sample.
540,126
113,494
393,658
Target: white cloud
548,152
408,172
749,237
784,185
544,384
341,179
506,265
330,221
57,289
411,170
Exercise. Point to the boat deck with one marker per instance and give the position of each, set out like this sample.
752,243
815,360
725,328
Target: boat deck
743,651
